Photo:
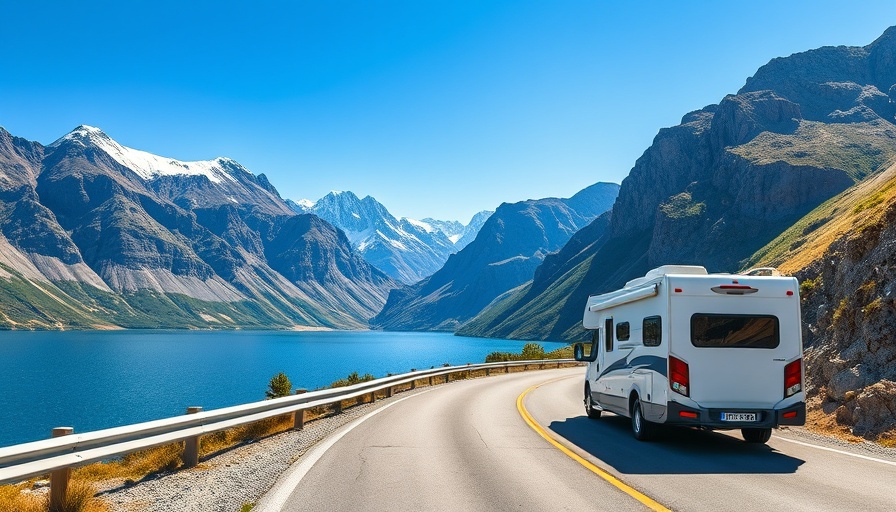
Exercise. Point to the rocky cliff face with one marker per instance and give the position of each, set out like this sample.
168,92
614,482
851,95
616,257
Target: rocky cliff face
504,255
127,238
727,180
850,310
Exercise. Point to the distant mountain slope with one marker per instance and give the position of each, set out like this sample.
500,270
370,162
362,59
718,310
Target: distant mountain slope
406,249
843,253
727,180
510,245
100,234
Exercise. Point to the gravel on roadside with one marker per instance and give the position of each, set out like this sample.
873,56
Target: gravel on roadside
240,475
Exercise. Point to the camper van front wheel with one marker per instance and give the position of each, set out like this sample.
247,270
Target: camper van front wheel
589,404
756,435
643,429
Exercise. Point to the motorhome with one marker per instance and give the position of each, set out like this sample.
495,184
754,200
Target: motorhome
680,346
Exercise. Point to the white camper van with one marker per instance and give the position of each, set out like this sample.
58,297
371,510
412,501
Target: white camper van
683,347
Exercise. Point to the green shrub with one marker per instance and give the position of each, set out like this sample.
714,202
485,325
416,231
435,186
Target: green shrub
279,386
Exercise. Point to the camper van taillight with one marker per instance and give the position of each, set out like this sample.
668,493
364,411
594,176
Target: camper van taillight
678,375
793,378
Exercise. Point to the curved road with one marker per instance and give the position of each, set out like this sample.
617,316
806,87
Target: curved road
464,446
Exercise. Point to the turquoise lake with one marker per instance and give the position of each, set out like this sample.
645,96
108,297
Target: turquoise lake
99,379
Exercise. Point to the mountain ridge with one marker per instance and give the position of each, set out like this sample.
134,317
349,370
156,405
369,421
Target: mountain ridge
504,255
92,235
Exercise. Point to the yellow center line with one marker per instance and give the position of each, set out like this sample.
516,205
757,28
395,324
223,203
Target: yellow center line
619,484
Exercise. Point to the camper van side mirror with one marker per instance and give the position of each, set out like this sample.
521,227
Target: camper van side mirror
578,353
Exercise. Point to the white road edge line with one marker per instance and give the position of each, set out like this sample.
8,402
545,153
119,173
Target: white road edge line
856,455
275,498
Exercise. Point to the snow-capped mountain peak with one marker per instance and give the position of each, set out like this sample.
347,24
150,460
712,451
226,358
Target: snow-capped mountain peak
305,204
147,165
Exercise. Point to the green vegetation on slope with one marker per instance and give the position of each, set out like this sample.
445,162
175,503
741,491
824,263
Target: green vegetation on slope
855,148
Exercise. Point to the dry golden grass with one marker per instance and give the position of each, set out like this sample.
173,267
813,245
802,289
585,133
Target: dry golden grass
80,498
819,422
12,499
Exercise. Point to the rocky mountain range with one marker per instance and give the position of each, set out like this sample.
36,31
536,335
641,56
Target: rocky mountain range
504,255
407,250
95,234
792,171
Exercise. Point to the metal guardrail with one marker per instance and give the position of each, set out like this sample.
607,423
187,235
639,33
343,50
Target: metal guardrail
59,454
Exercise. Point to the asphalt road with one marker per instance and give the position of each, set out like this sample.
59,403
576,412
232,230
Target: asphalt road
464,446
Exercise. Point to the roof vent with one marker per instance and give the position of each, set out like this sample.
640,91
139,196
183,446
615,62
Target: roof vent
666,269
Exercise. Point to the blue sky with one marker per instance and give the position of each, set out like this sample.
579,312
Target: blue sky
437,109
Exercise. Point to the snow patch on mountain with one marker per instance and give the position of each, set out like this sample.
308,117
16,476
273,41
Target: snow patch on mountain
147,165
420,224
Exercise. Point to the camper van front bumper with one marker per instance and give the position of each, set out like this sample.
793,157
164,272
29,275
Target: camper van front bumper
677,414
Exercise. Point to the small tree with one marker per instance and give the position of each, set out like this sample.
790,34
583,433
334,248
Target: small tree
533,351
279,386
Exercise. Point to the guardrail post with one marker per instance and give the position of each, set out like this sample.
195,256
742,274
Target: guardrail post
373,397
413,384
506,368
488,372
298,417
430,380
59,478
389,392
190,457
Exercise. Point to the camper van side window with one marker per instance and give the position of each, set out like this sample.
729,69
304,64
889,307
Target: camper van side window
652,332
623,331
608,335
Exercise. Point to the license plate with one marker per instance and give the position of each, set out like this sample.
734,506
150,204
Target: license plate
738,416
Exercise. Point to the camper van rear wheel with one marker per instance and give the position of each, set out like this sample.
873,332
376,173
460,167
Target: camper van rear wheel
643,429
756,435
589,404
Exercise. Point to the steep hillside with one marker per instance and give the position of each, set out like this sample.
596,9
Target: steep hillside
843,253
730,178
510,245
98,234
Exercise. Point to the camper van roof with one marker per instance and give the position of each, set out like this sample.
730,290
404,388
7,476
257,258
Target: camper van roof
666,269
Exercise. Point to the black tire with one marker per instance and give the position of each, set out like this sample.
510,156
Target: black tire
641,428
589,404
756,435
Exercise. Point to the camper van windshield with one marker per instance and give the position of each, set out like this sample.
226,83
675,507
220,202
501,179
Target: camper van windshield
734,331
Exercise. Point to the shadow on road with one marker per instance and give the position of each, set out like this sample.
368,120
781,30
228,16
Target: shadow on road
675,450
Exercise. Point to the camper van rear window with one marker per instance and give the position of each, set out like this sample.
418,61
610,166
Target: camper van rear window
734,331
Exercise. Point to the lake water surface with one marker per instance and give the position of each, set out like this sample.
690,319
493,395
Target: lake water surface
98,379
